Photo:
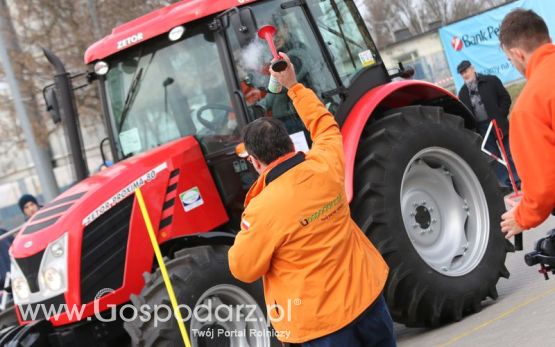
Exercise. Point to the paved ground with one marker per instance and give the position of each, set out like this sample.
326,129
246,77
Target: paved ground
523,315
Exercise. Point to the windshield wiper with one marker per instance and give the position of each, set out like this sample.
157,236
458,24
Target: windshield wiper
134,87
130,98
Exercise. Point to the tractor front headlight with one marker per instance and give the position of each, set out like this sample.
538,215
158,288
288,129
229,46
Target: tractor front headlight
57,249
51,276
20,288
53,279
53,270
19,284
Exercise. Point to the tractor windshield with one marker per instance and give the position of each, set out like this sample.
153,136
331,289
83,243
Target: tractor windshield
163,90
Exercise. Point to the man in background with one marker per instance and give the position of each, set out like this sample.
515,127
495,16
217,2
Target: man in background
525,39
488,99
29,205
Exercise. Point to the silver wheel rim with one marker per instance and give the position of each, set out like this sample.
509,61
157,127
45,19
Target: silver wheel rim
232,314
445,211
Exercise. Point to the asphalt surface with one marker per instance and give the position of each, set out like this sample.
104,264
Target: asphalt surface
523,315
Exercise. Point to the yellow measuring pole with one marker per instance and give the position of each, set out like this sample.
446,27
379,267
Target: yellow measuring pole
163,269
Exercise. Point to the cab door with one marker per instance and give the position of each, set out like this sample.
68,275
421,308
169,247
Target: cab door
296,38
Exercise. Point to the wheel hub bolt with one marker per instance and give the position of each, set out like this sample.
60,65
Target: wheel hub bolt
434,221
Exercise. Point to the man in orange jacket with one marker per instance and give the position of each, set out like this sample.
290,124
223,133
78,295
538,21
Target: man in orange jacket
525,39
323,278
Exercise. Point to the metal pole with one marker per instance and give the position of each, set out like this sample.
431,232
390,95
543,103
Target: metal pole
41,157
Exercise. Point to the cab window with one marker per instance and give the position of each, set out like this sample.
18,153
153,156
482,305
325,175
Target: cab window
295,38
164,90
345,36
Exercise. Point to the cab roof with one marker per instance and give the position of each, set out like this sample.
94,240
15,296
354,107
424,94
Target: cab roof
156,23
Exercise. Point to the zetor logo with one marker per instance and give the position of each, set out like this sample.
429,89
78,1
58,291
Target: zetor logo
468,40
130,40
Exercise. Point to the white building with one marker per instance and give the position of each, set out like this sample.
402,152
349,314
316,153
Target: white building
424,52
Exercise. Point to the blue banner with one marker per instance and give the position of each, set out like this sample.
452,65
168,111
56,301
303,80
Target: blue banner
477,39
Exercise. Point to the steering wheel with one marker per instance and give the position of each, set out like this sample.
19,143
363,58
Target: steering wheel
219,121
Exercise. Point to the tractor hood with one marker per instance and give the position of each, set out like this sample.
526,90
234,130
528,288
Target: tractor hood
92,239
89,199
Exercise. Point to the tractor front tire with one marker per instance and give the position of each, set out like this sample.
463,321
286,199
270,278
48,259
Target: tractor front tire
429,200
221,311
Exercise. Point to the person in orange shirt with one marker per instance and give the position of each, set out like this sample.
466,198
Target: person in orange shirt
525,40
323,278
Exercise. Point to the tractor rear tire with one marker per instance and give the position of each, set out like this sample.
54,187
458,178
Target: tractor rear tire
429,200
200,275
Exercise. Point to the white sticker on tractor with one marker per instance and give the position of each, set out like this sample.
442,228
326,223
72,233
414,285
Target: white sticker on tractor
366,58
122,194
130,141
191,199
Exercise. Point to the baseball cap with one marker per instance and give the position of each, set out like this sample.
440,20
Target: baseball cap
465,64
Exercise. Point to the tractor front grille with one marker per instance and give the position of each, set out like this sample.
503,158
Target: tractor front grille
103,250
30,267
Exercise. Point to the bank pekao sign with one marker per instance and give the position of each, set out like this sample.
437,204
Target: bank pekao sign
477,39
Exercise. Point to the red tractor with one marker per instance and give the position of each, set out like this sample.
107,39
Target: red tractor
177,86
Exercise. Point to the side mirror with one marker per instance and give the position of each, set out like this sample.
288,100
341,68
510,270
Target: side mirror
403,72
244,25
105,159
407,73
52,105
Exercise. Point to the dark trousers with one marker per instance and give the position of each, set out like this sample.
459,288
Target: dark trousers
491,145
374,328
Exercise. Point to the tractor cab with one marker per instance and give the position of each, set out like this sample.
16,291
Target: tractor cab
208,78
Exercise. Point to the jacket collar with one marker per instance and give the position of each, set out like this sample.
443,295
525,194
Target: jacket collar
284,166
538,56
276,168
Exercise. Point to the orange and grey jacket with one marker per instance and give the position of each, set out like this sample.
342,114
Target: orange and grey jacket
320,271
532,139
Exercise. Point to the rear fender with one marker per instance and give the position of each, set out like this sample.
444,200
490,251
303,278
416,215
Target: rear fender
390,96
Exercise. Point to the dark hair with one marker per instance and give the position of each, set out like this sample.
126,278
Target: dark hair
24,199
523,29
266,139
